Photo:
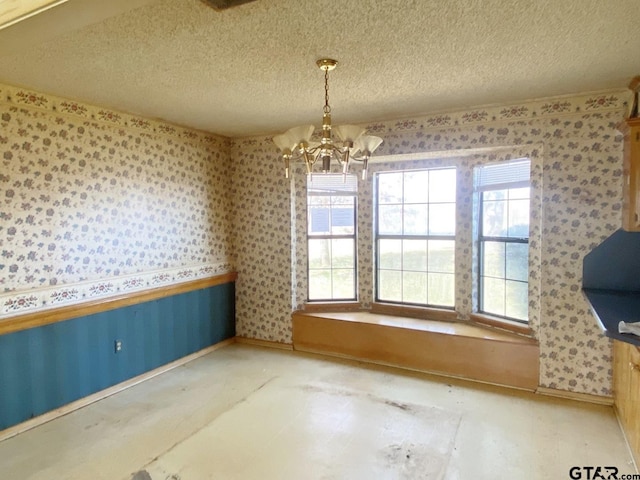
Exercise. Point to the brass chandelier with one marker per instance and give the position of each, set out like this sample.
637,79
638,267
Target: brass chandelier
295,143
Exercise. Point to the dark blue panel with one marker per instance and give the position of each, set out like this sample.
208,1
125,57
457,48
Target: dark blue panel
44,368
611,283
611,307
614,264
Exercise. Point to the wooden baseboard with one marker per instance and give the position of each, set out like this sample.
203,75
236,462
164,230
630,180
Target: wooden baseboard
581,397
264,343
634,456
83,402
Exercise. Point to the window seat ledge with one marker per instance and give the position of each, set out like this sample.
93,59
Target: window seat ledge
451,348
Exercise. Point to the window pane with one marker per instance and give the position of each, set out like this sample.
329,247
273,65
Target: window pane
390,285
319,253
416,187
331,206
493,291
343,284
494,218
504,267
414,255
343,200
390,188
342,253
441,289
517,261
517,193
319,284
390,254
442,185
342,216
319,223
423,209
390,219
493,262
495,195
517,300
442,256
442,219
414,287
415,219
519,218
318,200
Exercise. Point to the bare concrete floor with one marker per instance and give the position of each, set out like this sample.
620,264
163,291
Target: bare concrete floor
246,412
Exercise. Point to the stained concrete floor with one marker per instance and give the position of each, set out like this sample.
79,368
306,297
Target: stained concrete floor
245,412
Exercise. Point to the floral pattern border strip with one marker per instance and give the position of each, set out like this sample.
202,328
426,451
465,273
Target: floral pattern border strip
40,299
21,97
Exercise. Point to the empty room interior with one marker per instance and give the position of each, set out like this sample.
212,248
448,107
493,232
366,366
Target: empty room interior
271,239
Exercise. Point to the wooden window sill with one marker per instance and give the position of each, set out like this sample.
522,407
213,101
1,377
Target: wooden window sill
347,306
502,324
423,313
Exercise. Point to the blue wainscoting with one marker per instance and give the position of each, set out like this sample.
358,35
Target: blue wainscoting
46,367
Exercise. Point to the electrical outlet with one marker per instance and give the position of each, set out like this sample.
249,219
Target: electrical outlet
118,346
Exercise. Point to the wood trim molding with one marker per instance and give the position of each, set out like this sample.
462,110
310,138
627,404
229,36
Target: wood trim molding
332,307
54,315
580,397
415,312
83,402
264,343
502,324
625,434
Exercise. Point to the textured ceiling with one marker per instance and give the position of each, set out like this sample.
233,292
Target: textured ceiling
251,69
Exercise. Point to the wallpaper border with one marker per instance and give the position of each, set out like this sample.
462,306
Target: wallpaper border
525,110
27,98
46,298
480,116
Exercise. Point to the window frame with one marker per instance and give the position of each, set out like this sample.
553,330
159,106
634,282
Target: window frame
481,241
354,237
428,237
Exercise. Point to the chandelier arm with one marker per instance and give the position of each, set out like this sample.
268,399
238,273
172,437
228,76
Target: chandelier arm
314,150
299,153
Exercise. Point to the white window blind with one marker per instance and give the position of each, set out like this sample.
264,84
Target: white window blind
514,174
332,184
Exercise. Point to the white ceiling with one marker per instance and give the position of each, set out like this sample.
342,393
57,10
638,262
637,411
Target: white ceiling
251,70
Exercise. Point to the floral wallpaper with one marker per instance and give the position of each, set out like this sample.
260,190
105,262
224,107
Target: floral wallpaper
91,195
94,202
576,155
262,239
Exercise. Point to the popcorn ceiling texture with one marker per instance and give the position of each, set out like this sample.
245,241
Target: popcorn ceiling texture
251,70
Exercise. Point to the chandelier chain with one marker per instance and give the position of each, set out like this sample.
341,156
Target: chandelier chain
327,108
